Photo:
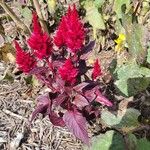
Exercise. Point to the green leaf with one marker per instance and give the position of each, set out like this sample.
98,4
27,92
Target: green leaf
129,119
110,140
143,144
125,121
134,38
106,115
93,16
131,141
118,6
132,79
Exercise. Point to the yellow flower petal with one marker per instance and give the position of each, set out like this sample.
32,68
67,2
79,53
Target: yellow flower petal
120,43
122,37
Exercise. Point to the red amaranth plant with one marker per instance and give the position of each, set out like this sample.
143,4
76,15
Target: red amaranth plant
65,73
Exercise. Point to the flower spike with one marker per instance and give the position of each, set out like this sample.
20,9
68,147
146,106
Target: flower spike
24,60
40,42
96,70
70,31
68,72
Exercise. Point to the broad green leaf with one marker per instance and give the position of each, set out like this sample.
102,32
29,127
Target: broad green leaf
118,6
131,141
111,140
134,38
122,86
129,119
143,144
132,79
106,115
93,16
125,121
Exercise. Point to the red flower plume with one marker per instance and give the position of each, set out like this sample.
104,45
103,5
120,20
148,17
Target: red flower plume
96,70
36,25
59,38
24,60
70,31
68,72
40,42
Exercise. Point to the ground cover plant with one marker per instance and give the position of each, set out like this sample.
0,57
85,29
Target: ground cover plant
86,66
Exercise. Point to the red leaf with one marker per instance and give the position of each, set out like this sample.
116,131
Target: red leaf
60,99
90,94
43,106
38,70
102,99
56,120
76,123
80,101
58,84
80,86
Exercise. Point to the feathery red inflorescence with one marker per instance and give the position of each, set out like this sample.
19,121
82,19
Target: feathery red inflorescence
59,38
40,42
96,70
24,60
36,24
70,31
68,72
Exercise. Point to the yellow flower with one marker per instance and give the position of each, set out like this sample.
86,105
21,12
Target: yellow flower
120,43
